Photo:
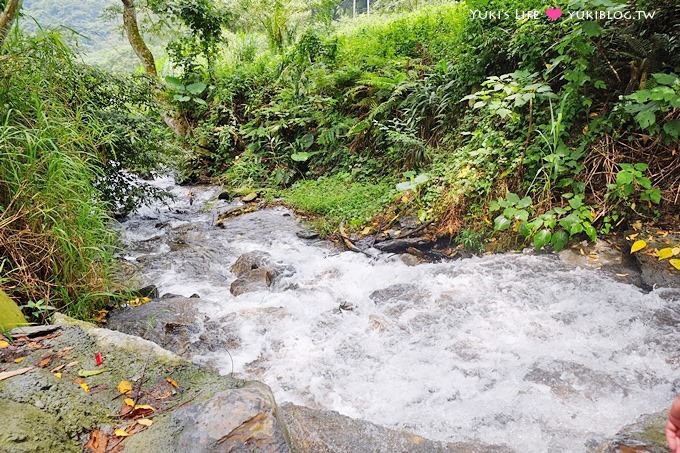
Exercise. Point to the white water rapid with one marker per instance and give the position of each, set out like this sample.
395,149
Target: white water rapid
510,349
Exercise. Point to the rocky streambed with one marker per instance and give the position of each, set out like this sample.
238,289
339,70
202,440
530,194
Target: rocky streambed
369,352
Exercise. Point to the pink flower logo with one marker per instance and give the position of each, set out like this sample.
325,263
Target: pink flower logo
553,13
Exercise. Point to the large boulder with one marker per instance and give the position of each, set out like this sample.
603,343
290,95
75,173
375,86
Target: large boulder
61,401
316,431
174,323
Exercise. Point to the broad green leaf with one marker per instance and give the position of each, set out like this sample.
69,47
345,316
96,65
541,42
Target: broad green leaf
665,79
501,223
638,245
542,239
175,83
590,231
300,157
559,240
645,118
623,178
592,28
196,88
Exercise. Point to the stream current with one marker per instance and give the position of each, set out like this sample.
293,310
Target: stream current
513,349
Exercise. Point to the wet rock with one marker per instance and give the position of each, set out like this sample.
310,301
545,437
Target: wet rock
315,431
255,272
238,420
250,261
646,435
150,291
604,255
173,323
50,414
307,234
400,245
398,292
255,280
655,273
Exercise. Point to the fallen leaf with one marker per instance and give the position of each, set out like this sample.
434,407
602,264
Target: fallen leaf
130,402
145,422
124,387
9,374
637,225
4,344
622,275
632,236
675,263
120,432
57,375
19,359
89,373
45,361
57,368
72,364
85,387
638,245
98,358
665,253
172,382
97,442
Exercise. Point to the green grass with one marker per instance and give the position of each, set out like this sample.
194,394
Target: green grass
337,198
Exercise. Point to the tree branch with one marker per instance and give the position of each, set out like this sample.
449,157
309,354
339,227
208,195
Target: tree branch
7,17
136,39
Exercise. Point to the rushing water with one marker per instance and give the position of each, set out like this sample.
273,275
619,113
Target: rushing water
514,348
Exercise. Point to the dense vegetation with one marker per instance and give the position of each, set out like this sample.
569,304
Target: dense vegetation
553,130
67,133
495,129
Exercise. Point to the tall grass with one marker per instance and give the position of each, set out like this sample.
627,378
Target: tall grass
55,242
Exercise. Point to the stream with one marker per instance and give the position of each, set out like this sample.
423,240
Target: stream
516,349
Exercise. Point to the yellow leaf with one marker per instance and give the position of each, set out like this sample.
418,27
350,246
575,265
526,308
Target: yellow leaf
120,432
19,359
144,407
130,402
57,375
172,382
85,387
675,263
665,253
3,344
638,245
124,387
145,422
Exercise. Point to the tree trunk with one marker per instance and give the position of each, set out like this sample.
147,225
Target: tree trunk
7,18
174,121
136,39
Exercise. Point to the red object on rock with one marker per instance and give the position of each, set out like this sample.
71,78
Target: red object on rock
98,359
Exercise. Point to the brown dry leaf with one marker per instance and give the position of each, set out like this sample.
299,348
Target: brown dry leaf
124,387
97,442
637,225
630,237
19,359
9,374
58,368
119,432
4,344
44,361
34,345
145,422
72,364
172,382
